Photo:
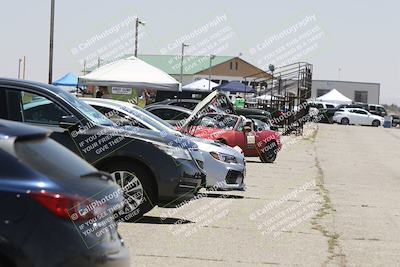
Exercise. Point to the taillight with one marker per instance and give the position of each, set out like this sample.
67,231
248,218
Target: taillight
68,206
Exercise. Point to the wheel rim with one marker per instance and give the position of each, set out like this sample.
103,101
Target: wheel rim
132,187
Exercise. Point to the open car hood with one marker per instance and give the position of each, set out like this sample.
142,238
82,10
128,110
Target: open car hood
201,108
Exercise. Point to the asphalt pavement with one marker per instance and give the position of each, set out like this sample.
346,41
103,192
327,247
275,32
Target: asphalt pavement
330,199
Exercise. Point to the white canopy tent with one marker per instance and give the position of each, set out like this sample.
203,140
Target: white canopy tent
200,85
335,97
133,73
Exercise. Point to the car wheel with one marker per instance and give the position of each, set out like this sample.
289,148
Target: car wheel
139,191
344,121
376,123
269,156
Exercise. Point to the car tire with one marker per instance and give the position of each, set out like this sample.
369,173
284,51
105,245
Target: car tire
344,121
270,155
376,123
142,198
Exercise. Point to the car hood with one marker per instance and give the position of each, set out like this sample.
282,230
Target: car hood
203,106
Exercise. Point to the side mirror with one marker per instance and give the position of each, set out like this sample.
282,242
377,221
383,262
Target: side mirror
68,121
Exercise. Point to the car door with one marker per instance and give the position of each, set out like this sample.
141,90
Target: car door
365,118
38,110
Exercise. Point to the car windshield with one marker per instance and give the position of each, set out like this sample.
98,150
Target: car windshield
150,119
89,112
218,121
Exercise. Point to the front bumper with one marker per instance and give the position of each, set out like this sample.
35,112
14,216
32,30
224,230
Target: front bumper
224,176
183,185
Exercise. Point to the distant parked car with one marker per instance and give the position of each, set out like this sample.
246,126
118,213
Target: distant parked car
46,212
357,116
161,170
396,120
377,110
327,110
225,166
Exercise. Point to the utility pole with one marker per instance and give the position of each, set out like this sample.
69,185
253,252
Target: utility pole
23,68
51,48
209,72
138,22
19,68
182,54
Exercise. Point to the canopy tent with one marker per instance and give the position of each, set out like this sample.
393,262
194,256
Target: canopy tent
200,85
235,87
335,97
68,79
131,72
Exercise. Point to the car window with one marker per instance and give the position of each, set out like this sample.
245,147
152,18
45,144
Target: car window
319,106
362,112
41,154
218,121
38,109
187,105
372,107
381,110
329,106
169,114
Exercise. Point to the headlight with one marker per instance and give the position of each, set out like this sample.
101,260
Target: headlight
175,152
223,157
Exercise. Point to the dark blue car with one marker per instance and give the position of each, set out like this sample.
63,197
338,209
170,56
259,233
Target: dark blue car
55,209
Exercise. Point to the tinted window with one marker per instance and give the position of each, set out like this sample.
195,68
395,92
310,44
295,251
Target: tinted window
169,114
329,106
51,159
38,109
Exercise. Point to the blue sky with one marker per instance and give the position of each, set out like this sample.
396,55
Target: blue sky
359,37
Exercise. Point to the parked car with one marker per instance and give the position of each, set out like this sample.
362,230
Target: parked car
232,130
161,170
396,120
357,116
262,115
377,110
46,191
225,166
327,110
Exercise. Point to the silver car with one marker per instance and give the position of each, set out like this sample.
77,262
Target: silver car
225,166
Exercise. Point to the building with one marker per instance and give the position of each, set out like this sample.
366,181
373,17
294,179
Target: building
223,68
356,91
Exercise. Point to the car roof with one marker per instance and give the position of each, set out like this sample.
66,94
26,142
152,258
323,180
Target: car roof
177,108
30,84
20,130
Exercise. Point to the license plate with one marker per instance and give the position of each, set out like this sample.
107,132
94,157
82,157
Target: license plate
251,139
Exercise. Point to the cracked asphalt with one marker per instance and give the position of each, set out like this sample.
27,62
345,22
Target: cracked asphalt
330,199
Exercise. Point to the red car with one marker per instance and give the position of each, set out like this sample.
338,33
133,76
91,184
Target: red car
252,136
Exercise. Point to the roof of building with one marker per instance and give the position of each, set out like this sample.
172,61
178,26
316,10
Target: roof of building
171,64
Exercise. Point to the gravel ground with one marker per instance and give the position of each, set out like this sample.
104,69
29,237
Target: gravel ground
330,199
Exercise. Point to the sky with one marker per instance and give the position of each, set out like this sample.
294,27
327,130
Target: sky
354,40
